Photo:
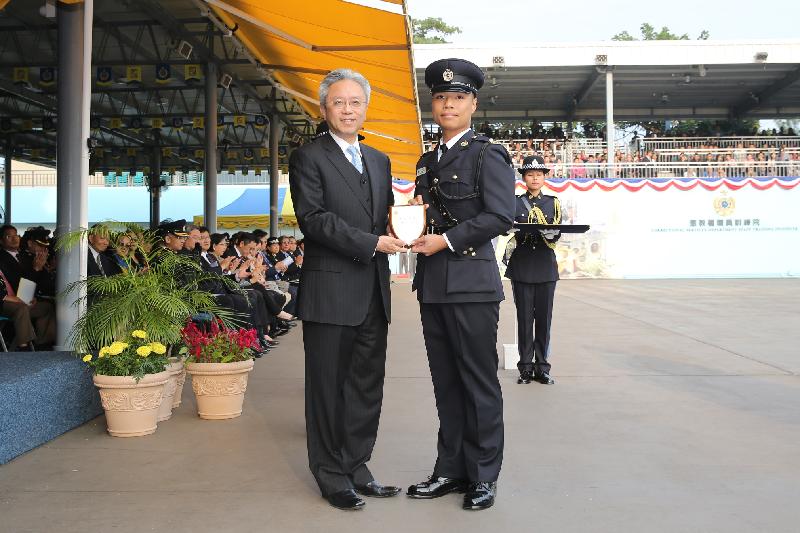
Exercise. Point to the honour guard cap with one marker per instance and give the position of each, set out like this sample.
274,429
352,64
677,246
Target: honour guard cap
533,162
454,75
273,240
175,227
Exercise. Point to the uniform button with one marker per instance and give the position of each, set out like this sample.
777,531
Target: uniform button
455,177
470,249
432,221
464,252
472,254
435,180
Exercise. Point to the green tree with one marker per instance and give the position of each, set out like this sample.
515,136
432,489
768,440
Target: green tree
432,30
649,33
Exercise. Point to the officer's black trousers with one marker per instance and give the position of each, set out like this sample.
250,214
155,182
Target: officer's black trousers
461,343
534,303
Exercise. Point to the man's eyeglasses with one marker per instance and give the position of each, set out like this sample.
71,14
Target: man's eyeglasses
340,103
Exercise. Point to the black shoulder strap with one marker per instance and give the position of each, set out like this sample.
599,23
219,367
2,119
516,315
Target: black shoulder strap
477,179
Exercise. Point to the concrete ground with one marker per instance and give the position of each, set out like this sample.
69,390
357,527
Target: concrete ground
677,409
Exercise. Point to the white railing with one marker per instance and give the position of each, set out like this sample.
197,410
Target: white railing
670,143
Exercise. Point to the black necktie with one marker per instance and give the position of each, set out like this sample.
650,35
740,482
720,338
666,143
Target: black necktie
100,265
444,149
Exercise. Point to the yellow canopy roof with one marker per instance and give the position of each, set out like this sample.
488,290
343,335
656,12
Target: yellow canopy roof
302,40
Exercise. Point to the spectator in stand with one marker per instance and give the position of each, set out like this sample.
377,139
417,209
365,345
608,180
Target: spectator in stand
33,320
591,167
192,243
127,254
99,261
578,170
251,274
249,304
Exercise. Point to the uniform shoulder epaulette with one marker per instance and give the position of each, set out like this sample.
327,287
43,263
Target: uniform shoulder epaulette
482,138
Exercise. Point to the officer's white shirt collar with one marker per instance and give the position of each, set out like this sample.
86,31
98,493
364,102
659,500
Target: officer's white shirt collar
452,142
344,145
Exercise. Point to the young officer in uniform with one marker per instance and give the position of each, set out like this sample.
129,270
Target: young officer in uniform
468,184
533,272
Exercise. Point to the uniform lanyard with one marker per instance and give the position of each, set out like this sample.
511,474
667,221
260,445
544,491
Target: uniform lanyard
527,203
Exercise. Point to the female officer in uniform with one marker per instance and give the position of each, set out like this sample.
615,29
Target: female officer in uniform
468,184
533,272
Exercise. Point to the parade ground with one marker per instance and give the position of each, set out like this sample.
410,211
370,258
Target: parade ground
675,410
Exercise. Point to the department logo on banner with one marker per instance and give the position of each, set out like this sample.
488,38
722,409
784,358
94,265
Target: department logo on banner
47,76
104,76
163,73
724,204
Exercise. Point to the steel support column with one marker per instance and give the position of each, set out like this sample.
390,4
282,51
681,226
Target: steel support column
155,181
74,97
7,181
274,138
210,177
610,133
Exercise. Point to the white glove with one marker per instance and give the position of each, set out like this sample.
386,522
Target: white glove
549,233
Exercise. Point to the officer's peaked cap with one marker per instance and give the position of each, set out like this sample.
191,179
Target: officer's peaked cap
175,227
454,75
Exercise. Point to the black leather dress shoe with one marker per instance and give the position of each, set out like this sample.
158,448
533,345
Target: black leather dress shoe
376,490
544,378
526,376
436,486
347,500
480,495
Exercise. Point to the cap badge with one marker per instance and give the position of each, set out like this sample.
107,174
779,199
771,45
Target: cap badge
447,75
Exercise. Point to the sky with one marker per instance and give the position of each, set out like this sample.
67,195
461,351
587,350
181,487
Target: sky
504,21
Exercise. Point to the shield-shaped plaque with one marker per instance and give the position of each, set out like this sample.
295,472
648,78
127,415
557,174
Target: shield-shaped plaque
407,222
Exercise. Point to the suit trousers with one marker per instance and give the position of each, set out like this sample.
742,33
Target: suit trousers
42,314
461,341
345,368
534,302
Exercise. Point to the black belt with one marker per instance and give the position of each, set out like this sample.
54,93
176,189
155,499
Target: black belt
437,230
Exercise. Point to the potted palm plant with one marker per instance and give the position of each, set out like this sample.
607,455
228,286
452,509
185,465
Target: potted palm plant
219,360
154,292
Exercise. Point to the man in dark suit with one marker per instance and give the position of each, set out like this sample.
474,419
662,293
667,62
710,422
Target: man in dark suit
533,271
99,262
468,184
342,192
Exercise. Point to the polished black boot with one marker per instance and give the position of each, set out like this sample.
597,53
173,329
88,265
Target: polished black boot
376,490
525,376
347,500
480,495
544,378
435,487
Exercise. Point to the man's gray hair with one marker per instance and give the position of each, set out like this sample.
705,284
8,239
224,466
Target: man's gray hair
338,75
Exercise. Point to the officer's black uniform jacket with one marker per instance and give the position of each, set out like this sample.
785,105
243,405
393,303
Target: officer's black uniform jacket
470,272
532,260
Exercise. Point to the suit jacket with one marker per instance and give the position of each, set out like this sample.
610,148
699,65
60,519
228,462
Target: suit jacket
340,231
11,267
110,266
22,267
532,260
469,273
